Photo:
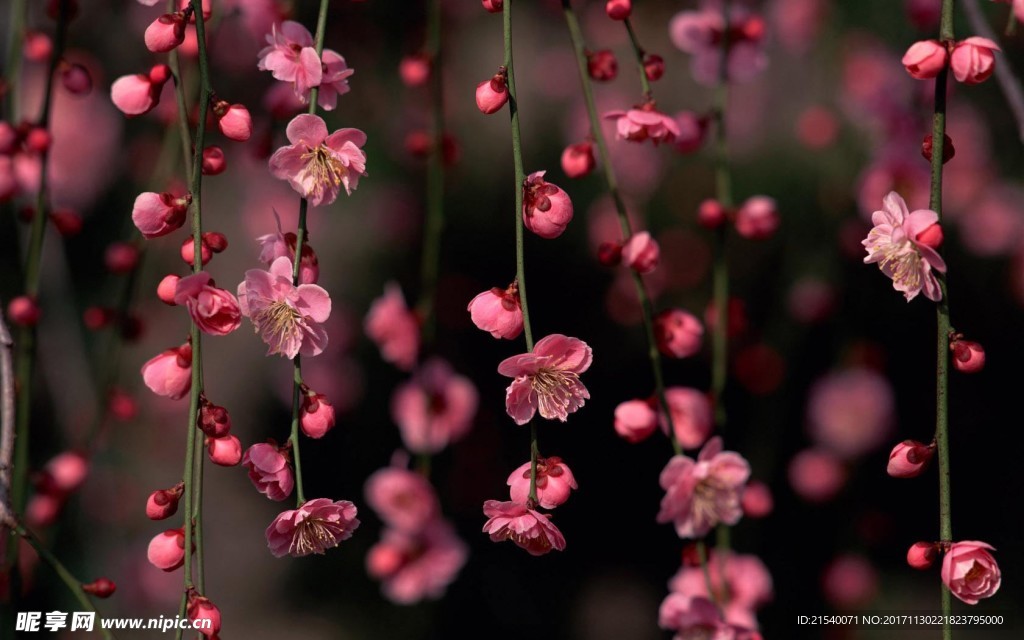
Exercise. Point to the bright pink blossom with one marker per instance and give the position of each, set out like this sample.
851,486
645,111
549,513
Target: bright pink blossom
287,318
909,459
276,245
169,374
747,586
233,120
225,451
291,57
163,503
547,209
635,420
335,80
700,33
691,416
435,408
698,618
270,470
970,571
417,567
678,333
554,482
316,164
317,416
529,529
491,95
922,555
403,499
204,615
968,356
618,9
315,527
644,123
498,312
701,493
973,60
136,94
167,550
215,311
157,214
925,59
165,33
893,243
394,327
547,379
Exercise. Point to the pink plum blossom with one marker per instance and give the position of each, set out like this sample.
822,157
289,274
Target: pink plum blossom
215,311
233,120
317,415
136,94
270,470
276,245
554,482
547,379
757,218
909,459
167,550
644,123
529,529
678,333
970,571
290,56
287,318
701,493
225,451
747,586
315,527
157,214
169,374
700,33
698,618
318,164
417,567
691,416
894,244
498,311
641,253
973,60
335,80
547,209
491,95
922,555
204,615
435,408
394,328
163,503
166,32
578,159
403,499
925,59
635,420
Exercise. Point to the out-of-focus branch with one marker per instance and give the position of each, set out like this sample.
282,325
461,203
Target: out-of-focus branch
6,416
1008,81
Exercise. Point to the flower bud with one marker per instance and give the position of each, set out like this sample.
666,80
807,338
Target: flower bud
414,69
654,67
618,9
38,140
188,251
931,236
214,421
167,550
711,214
121,257
226,451
67,222
947,148
678,334
163,503
204,615
498,312
213,161
758,218
100,587
609,254
641,253
122,405
165,290
925,59
96,318
317,415
922,555
968,356
909,459
973,60
36,46
233,120
635,420
602,65
158,214
23,311
547,209
165,33
757,500
493,6
578,159
75,79
491,95
216,241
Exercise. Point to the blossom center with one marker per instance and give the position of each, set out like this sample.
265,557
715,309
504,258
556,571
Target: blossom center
278,319
313,536
904,262
324,168
547,380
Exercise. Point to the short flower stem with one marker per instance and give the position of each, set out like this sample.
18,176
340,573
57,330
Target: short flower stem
300,241
520,178
943,326
26,350
638,52
192,478
435,179
179,91
647,307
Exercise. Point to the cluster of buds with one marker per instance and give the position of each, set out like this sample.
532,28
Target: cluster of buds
756,219
972,60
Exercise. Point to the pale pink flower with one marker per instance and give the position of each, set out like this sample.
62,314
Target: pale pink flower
554,482
547,379
270,470
276,245
529,529
547,209
215,311
403,499
700,33
635,420
394,328
316,164
286,317
315,527
691,416
417,567
970,571
973,60
498,312
893,243
701,493
291,57
335,80
644,123
851,412
169,374
435,408
747,586
157,214
697,618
